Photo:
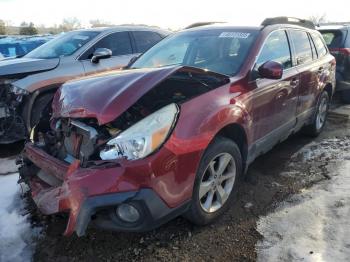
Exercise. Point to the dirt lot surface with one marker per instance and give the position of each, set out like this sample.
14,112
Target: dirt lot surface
271,179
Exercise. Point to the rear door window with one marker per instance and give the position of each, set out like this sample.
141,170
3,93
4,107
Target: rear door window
144,40
276,48
302,46
320,46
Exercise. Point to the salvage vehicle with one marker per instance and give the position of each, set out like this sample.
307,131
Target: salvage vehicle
337,37
174,134
27,84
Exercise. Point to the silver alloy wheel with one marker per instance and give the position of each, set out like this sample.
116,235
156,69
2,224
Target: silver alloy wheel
321,113
217,182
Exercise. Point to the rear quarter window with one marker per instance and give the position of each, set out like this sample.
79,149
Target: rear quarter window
319,44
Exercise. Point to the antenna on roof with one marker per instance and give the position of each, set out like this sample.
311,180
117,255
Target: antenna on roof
288,20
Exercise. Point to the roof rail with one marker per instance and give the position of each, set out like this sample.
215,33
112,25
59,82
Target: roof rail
288,20
201,24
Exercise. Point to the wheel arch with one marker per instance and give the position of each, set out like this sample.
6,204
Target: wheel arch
329,89
51,89
236,133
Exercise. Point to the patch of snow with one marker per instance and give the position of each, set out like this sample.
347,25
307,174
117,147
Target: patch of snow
16,233
275,184
313,161
311,226
325,149
248,205
8,165
292,173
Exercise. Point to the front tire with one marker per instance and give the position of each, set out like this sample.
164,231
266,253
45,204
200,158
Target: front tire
320,116
216,181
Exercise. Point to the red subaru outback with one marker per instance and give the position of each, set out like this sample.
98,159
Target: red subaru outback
173,134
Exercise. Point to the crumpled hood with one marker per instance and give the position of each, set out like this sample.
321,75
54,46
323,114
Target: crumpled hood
24,66
107,96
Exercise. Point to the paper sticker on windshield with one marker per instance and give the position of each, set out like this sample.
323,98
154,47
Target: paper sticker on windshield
234,35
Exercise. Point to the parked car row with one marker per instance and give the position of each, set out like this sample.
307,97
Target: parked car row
337,37
171,134
18,46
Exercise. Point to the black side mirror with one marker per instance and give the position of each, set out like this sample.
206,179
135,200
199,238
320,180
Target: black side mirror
271,70
101,53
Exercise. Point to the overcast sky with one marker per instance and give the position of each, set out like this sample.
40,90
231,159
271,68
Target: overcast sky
168,14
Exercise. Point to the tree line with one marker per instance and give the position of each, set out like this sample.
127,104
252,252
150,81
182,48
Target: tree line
28,28
72,23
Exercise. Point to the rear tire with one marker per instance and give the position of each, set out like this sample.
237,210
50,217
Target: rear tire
216,181
320,116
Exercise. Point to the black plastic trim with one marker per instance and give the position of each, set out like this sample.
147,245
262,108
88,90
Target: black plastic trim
153,210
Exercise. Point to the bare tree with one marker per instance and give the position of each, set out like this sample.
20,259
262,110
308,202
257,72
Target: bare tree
8,23
2,28
99,23
318,19
70,23
28,29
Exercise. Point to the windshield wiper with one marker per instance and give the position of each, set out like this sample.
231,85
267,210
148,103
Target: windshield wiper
197,80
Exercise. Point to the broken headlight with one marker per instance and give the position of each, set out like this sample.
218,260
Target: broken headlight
144,137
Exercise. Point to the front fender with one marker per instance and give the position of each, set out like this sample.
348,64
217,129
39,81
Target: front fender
203,117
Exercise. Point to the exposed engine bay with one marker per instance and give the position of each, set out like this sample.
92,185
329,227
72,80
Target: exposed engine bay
82,139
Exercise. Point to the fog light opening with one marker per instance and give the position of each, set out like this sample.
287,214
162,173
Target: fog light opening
128,213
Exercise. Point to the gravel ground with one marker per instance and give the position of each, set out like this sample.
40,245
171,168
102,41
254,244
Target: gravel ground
288,168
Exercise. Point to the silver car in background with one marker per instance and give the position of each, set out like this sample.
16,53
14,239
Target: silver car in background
27,84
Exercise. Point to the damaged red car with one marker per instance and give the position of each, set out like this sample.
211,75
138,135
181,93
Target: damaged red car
174,134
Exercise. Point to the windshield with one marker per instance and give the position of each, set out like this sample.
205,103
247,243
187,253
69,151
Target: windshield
64,45
221,51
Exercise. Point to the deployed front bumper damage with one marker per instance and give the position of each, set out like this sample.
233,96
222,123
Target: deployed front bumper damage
65,173
89,195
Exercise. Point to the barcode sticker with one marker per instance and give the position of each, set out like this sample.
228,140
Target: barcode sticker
234,35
